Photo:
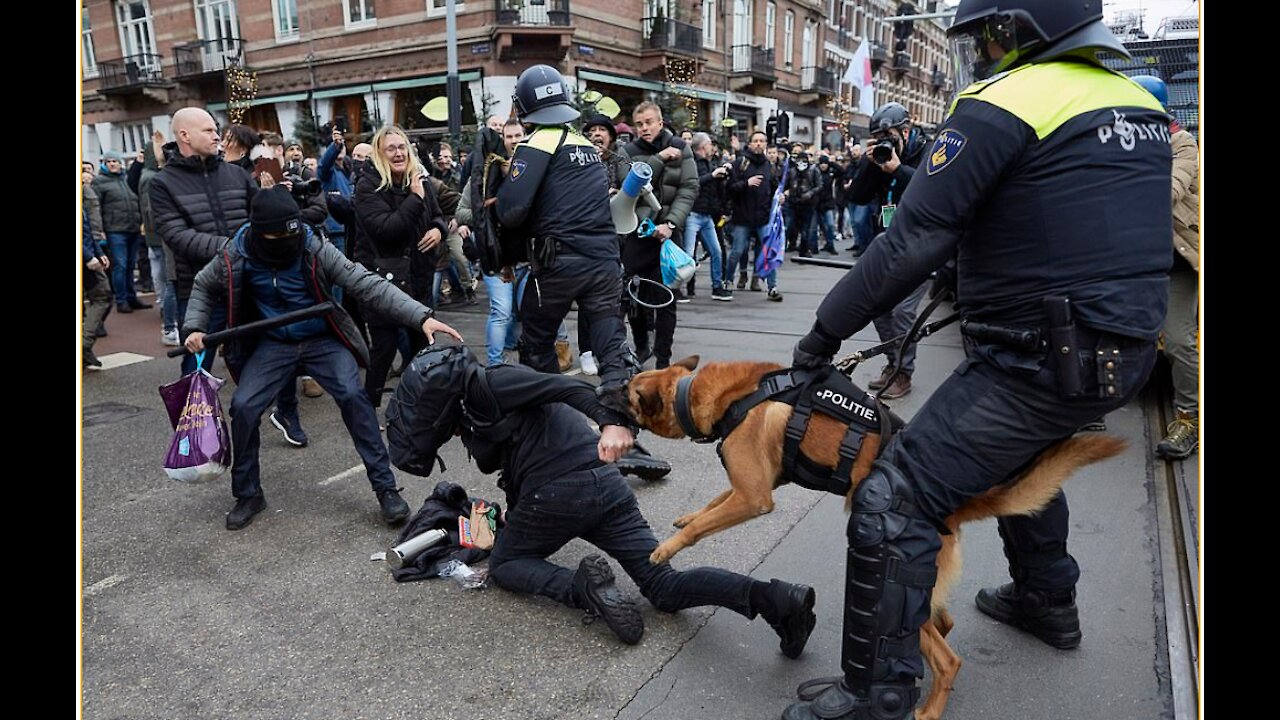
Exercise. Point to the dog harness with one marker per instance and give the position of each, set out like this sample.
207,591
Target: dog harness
824,390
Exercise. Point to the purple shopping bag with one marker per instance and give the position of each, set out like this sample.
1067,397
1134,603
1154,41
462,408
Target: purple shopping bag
201,446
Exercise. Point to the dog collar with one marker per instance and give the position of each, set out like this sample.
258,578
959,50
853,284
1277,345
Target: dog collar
684,413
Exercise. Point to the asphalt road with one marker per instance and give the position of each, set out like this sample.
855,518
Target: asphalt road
289,618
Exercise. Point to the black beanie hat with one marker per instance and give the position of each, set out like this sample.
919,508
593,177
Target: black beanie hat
274,211
600,119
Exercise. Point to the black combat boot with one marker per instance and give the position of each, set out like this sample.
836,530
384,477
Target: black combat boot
596,591
1051,616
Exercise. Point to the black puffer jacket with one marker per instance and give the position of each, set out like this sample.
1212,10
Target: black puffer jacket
751,205
196,204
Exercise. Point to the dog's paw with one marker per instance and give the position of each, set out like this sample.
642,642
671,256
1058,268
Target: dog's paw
662,553
684,520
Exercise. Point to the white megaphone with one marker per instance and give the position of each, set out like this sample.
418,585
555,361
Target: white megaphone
623,204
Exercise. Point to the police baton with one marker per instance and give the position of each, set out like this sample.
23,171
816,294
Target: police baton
824,262
293,316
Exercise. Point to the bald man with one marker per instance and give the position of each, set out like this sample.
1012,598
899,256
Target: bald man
197,201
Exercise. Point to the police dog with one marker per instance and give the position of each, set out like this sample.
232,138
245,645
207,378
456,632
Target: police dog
752,456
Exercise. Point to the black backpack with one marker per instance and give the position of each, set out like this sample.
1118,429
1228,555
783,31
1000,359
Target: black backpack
426,408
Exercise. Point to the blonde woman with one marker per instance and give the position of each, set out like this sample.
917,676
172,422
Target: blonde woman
399,228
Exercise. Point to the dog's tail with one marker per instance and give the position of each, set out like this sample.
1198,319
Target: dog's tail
1041,482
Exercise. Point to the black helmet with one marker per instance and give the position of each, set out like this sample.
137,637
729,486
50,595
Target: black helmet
426,409
1025,30
542,97
890,115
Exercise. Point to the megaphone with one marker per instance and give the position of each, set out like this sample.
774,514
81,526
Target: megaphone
623,204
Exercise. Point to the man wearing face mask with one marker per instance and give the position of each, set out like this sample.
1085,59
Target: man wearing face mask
273,265
893,152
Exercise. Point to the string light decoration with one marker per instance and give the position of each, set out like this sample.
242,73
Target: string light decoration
682,75
242,88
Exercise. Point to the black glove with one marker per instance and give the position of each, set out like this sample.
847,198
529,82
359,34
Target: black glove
815,349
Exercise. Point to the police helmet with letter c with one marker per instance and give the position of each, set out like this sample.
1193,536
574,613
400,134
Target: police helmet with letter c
542,97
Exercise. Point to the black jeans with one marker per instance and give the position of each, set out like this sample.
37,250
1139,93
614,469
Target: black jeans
662,320
384,343
598,506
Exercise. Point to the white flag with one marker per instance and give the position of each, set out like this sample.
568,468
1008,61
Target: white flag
859,76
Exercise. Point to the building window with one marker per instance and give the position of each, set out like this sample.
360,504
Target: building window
708,23
807,47
789,37
286,15
137,38
216,20
359,14
770,25
90,61
133,137
436,8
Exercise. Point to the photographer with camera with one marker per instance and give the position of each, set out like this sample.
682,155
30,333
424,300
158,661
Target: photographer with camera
893,152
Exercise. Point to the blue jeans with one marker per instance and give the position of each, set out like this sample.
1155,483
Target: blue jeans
268,371
166,293
124,256
826,220
703,227
741,235
598,506
863,225
501,331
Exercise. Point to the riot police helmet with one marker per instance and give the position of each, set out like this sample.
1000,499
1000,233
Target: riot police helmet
542,97
992,36
1155,86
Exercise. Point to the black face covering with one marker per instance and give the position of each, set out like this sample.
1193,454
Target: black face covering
278,252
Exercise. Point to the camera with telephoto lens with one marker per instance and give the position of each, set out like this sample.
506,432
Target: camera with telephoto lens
882,151
302,189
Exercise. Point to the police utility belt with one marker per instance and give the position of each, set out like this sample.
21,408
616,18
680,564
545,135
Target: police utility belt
823,390
1073,351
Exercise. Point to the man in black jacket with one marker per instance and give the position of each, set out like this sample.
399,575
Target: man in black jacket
894,151
824,209
803,187
560,484
751,187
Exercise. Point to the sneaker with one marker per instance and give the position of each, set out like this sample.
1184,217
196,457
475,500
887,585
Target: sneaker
640,463
882,380
137,304
742,279
170,337
1050,616
774,295
792,615
123,308
311,388
755,284
596,591
680,296
290,427
244,510
722,294
394,509
1182,438
564,355
90,360
901,386
588,362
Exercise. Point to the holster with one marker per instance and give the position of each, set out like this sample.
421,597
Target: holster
1063,350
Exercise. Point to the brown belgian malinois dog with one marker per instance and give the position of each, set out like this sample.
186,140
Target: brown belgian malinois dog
752,456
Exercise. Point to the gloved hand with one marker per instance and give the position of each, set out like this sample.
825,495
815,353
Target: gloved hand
815,349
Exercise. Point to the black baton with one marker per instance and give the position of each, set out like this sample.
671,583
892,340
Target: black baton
293,316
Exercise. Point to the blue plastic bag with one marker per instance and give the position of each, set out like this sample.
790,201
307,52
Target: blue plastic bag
677,266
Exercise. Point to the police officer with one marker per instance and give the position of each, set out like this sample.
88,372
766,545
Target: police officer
556,195
1050,178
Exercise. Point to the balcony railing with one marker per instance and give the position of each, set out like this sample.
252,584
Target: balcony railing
879,55
663,33
818,79
207,56
131,71
753,59
532,12
939,79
